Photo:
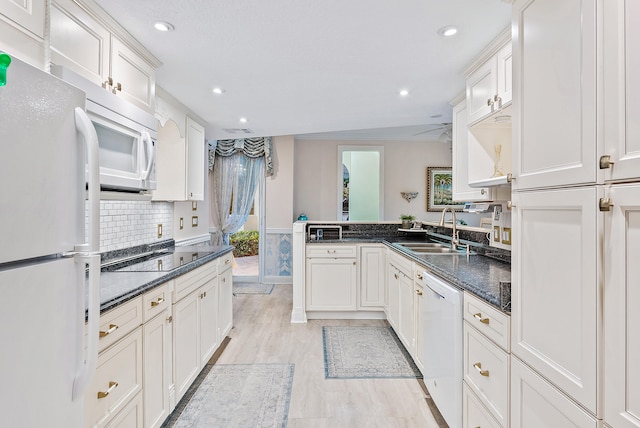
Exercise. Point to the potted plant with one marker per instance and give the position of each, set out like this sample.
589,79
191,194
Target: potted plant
407,219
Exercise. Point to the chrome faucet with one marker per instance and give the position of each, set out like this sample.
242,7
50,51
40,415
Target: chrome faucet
455,235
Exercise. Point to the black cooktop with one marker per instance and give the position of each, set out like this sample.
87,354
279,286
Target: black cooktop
159,262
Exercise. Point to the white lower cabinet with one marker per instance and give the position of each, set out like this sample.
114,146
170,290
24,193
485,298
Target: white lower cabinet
536,403
208,321
486,364
418,303
186,359
225,303
407,319
486,373
331,278
155,345
118,379
473,411
621,303
556,297
397,268
372,276
156,368
195,330
131,416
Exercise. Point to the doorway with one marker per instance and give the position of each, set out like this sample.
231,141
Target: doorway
248,263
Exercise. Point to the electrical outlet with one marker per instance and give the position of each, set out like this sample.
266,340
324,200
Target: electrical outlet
181,223
160,230
194,221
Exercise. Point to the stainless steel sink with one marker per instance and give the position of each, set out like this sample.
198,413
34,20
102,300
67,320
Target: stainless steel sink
436,250
429,248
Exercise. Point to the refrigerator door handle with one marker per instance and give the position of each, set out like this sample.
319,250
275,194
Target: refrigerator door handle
86,129
90,255
87,366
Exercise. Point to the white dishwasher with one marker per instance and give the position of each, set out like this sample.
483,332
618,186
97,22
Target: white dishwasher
442,341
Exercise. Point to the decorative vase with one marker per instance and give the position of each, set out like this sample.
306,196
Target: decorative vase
406,224
497,166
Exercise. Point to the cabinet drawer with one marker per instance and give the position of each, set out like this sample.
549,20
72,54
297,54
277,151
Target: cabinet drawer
486,371
117,380
189,282
494,324
403,264
155,301
474,414
131,416
321,250
119,322
225,262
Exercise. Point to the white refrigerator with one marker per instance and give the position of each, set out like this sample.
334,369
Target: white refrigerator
49,260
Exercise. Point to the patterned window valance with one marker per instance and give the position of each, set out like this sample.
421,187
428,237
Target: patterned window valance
250,147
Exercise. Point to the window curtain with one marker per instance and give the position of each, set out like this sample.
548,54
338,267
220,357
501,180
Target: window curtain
251,147
233,180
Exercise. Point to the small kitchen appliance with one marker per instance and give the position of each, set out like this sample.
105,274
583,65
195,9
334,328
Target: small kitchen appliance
126,136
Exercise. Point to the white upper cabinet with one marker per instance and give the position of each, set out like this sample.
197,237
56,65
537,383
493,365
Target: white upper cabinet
489,84
84,43
180,162
555,86
194,187
460,185
22,30
621,89
27,14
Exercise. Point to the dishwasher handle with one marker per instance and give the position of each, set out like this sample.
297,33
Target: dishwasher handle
441,288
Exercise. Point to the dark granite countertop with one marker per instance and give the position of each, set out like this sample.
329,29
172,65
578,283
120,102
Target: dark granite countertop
118,287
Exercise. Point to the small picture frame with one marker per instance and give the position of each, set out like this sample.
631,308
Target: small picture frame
440,189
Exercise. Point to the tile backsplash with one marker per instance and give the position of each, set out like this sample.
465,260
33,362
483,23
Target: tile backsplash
128,223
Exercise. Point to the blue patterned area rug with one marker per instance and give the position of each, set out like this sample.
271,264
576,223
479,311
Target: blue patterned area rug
365,352
240,396
252,288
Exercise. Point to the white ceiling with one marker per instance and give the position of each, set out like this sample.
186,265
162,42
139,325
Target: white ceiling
314,66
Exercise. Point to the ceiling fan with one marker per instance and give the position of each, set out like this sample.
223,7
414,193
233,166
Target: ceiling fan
438,131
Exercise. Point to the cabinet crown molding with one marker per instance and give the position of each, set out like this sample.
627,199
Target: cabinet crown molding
491,49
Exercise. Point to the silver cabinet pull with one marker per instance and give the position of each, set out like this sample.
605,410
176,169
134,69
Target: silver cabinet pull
112,328
112,385
605,204
606,162
478,316
478,367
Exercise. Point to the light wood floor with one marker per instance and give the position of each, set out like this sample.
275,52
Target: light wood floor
263,333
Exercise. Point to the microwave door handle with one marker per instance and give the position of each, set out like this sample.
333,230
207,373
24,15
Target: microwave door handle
148,142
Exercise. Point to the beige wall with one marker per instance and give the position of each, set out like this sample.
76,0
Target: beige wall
280,187
405,164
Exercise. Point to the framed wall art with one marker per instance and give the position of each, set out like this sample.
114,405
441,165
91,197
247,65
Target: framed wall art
440,189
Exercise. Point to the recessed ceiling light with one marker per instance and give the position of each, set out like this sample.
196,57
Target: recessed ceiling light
164,26
448,31
404,92
243,120
218,91
435,116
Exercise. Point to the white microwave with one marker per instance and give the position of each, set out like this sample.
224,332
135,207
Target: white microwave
127,137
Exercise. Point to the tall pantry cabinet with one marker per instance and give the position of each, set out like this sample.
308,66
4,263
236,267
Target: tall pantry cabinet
576,214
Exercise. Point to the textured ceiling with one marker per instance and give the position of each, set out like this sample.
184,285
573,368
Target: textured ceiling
309,66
